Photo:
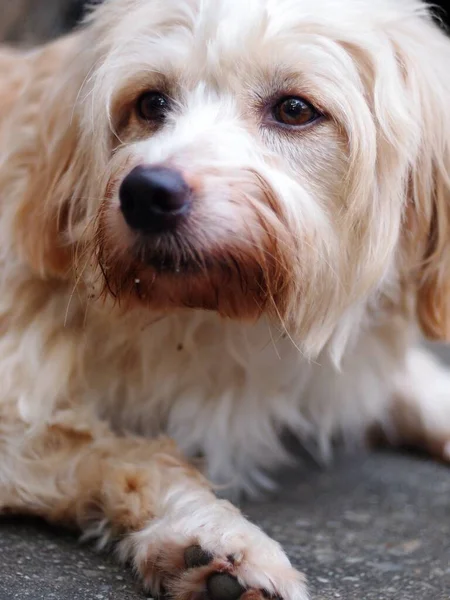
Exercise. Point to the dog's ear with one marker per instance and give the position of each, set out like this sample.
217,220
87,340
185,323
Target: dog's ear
49,161
431,201
433,284
42,216
424,56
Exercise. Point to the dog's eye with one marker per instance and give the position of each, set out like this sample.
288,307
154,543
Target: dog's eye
153,106
294,112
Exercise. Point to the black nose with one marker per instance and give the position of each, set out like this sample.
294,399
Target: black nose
154,199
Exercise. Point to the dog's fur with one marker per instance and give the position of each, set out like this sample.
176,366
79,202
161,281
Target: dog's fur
291,299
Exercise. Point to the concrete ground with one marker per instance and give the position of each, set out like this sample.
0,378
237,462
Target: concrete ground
375,527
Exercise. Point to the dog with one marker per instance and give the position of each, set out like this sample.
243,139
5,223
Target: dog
217,225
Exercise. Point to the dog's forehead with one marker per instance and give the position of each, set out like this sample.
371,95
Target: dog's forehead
203,30
199,23
260,47
210,19
230,22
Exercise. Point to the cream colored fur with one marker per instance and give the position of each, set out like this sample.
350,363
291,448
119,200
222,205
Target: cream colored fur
320,254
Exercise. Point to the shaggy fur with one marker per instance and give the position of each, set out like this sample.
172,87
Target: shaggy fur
291,299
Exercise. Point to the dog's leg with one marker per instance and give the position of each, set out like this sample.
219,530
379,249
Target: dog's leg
178,535
421,405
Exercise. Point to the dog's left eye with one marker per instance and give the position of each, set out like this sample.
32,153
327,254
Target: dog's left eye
153,106
294,112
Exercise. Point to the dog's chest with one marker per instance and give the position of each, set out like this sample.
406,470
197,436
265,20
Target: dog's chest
210,384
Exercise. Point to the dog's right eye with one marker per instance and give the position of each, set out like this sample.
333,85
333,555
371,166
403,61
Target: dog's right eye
153,106
294,112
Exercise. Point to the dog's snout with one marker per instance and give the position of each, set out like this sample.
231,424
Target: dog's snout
154,199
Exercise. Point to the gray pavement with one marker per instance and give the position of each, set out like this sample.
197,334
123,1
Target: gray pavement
376,527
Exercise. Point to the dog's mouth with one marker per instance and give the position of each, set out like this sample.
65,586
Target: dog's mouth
173,271
198,258
172,255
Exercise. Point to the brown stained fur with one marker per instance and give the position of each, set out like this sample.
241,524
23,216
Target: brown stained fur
230,289
238,282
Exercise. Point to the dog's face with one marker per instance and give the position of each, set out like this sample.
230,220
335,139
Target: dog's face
229,165
258,157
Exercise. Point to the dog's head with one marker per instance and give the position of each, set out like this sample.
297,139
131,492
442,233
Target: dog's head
271,156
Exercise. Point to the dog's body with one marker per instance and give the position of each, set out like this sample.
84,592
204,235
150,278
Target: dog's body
289,301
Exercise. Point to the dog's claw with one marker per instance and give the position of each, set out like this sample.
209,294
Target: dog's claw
195,556
222,586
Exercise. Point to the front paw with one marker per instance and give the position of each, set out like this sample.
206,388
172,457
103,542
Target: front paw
212,553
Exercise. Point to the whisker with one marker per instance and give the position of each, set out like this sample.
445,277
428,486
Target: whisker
102,268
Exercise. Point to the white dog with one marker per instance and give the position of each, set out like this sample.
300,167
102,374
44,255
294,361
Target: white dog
219,220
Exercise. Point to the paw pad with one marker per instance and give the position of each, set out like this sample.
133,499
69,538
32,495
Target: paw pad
195,557
222,586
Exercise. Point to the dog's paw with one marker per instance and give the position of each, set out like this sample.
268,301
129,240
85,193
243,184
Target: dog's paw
212,553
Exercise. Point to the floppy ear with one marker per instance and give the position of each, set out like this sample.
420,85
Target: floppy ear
433,294
424,57
47,163
41,221
432,203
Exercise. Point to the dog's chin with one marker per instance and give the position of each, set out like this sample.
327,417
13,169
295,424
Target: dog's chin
172,258
163,276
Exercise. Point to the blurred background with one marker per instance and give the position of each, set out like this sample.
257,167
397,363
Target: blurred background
33,21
